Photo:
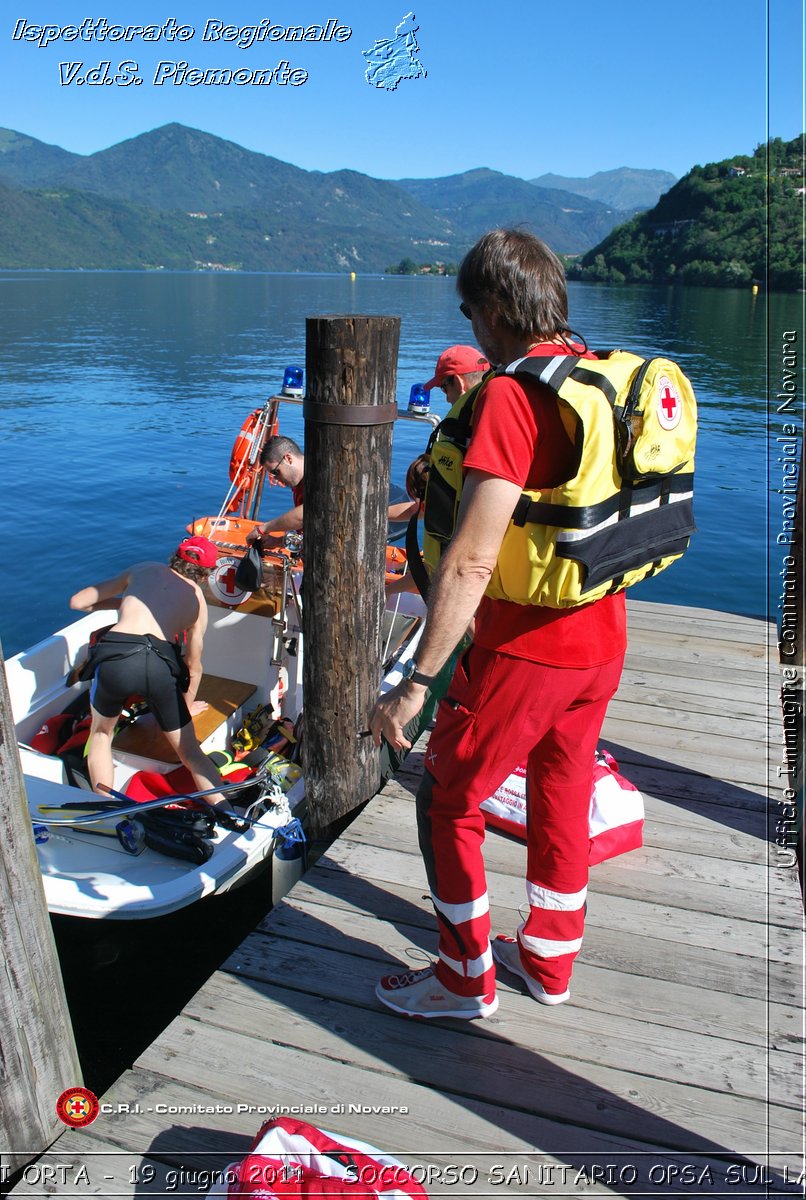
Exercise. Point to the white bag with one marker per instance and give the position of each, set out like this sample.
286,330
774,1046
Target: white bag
616,812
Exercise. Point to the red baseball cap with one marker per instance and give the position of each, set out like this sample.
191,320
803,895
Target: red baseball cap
198,550
457,360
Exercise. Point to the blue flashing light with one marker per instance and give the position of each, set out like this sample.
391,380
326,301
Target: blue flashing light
292,381
419,401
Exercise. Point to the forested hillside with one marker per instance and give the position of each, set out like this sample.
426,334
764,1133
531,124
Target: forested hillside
724,224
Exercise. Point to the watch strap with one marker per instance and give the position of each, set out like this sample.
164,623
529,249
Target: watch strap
409,671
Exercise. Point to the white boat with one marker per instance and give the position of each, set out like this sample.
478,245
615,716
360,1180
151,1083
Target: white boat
253,652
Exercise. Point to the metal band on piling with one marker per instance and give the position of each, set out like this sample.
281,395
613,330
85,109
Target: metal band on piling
349,414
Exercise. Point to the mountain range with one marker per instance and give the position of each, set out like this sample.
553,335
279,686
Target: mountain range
625,188
180,198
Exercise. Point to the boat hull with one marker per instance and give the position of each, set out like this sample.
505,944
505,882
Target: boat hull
90,875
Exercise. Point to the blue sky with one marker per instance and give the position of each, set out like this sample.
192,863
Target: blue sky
631,83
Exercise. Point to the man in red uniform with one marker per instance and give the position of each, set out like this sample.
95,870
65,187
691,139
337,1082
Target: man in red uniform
534,685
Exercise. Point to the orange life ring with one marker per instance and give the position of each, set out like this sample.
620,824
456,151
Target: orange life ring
242,472
242,445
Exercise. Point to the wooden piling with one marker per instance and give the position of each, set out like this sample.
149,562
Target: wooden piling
351,366
39,1057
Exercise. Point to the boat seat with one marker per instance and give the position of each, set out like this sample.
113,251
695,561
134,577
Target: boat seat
223,696
395,628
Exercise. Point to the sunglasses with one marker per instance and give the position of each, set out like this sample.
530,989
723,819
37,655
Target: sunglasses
275,470
464,309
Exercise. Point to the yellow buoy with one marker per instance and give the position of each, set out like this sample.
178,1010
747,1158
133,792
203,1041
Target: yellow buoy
352,276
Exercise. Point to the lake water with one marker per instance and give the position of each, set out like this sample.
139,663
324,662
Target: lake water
121,394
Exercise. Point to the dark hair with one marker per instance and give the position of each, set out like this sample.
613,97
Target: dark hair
276,447
518,277
189,570
417,476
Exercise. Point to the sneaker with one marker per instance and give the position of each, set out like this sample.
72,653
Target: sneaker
420,994
506,952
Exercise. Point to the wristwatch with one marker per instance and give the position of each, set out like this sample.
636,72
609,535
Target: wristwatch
409,670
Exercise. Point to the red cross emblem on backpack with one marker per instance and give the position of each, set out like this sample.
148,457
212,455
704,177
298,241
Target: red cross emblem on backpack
670,406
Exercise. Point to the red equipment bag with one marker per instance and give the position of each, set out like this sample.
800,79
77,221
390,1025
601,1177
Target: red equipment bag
294,1160
616,812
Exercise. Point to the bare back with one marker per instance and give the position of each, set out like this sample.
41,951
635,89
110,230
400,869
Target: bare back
158,601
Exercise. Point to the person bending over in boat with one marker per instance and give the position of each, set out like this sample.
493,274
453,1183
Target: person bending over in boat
140,655
283,460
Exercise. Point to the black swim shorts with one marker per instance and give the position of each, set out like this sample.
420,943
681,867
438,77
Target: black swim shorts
131,664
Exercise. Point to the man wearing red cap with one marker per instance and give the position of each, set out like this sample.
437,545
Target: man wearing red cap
459,368
140,655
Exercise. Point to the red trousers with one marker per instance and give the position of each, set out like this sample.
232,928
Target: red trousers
501,711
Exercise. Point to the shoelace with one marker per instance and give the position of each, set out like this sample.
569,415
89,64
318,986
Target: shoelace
410,977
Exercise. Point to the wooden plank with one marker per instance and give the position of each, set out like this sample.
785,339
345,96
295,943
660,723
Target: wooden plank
641,954
185,1155
774,904
677,779
625,1043
745,839
380,826
696,751
483,1066
743,735
670,827
688,686
667,612
670,657
712,652
642,621
678,694
689,791
678,1003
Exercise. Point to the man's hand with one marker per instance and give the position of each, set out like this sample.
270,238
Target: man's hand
393,711
196,707
254,535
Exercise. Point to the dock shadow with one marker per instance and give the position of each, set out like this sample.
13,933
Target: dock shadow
742,809
186,1160
559,1092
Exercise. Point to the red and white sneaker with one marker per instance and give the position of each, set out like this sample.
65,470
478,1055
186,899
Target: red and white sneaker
506,952
420,994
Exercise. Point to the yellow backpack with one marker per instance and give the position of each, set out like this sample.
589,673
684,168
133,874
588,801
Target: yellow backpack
626,514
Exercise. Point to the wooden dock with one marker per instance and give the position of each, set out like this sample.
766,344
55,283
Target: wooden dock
677,1066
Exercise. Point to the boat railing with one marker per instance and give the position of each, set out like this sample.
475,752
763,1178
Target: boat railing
419,418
